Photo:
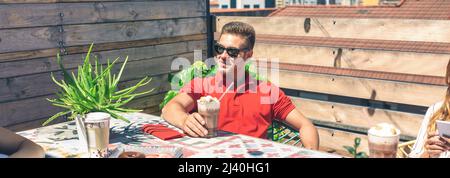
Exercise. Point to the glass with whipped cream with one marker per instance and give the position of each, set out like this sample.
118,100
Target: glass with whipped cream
383,141
209,107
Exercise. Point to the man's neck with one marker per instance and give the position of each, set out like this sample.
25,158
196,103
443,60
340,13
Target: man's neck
238,79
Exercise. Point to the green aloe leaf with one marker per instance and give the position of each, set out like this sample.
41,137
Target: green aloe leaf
94,89
55,117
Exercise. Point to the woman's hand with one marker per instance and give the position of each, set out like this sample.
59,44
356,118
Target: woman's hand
435,145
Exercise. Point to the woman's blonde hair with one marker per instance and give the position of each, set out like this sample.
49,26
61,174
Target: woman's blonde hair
444,111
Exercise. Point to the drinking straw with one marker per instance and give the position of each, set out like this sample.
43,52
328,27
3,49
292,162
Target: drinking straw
223,94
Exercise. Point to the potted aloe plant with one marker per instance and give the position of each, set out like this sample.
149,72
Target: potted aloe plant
94,89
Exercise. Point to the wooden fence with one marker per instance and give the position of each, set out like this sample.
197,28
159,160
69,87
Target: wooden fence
395,63
151,33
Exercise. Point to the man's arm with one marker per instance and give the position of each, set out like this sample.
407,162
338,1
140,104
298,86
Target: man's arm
17,146
176,112
177,109
308,132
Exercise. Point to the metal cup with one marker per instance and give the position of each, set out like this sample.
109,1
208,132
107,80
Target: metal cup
97,134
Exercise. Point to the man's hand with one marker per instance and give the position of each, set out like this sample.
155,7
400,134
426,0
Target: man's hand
194,125
435,144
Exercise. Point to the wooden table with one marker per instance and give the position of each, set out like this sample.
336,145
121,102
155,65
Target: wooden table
61,141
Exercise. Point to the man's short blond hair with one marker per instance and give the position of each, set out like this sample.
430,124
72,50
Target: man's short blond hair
242,29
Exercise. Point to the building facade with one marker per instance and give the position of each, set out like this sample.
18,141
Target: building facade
364,2
214,4
283,3
253,4
311,2
246,4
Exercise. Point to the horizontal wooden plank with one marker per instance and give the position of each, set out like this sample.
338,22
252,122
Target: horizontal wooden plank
157,113
358,116
49,37
150,109
334,141
40,65
149,103
14,56
159,84
67,1
42,84
391,76
387,29
375,60
32,15
381,90
31,124
38,107
154,110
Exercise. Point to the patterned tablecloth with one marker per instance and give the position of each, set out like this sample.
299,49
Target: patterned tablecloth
60,140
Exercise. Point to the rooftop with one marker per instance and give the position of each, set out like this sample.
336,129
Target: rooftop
405,9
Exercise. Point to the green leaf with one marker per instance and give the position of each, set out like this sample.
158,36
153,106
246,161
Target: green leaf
357,142
55,117
121,70
115,115
126,110
66,75
253,71
169,95
94,89
361,155
350,149
211,72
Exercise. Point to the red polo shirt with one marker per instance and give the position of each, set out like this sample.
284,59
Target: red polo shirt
246,109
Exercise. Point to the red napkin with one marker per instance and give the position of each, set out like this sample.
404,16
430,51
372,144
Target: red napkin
161,131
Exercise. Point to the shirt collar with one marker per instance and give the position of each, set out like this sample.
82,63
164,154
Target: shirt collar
249,84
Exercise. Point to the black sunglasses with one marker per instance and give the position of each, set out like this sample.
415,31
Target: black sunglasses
232,52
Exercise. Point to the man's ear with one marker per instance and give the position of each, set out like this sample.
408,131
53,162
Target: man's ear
249,54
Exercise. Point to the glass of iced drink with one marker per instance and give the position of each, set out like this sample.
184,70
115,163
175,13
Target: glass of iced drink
383,141
97,134
209,107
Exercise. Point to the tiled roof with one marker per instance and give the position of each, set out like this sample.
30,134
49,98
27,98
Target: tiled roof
214,3
388,45
406,9
400,77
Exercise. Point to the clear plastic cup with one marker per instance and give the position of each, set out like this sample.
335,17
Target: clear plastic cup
210,112
383,142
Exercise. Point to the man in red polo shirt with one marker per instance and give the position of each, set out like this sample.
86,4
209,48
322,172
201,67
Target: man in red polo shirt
249,107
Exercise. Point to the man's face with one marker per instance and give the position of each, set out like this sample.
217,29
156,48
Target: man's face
227,63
